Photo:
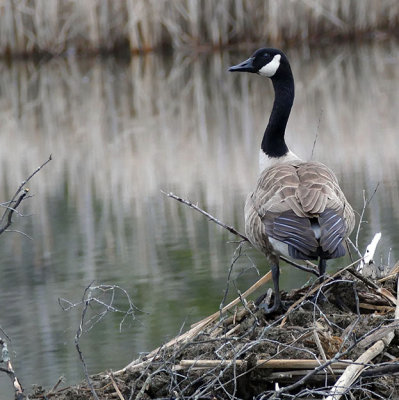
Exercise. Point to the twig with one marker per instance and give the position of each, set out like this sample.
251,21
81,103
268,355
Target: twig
362,278
10,211
209,216
317,134
352,372
234,231
54,388
379,290
12,205
254,287
389,369
321,350
366,202
195,328
314,290
236,256
120,395
5,357
79,332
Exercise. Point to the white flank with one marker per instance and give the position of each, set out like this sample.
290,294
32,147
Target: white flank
266,162
280,248
270,68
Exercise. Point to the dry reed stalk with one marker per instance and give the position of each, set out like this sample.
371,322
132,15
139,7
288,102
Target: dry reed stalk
92,25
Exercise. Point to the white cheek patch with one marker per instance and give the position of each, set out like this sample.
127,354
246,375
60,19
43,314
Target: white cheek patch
270,68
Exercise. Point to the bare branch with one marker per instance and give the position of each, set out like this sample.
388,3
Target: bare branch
209,216
9,370
366,202
21,194
79,332
233,230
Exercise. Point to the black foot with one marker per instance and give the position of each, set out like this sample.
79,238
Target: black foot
269,310
259,302
260,299
265,308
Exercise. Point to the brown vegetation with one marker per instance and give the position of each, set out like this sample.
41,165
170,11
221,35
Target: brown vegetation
59,26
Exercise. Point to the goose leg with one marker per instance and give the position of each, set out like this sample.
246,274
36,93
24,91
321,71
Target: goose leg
276,275
322,268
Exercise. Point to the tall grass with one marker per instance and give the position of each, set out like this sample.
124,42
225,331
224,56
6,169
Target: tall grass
57,26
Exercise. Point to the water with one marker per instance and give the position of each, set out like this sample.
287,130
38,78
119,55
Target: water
121,133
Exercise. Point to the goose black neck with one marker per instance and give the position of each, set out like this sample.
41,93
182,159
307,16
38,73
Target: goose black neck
273,143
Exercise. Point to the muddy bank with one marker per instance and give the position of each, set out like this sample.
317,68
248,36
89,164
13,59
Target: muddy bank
301,351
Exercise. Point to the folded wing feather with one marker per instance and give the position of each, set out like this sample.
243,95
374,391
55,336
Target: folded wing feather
289,198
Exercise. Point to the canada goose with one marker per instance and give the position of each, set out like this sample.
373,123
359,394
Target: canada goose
297,208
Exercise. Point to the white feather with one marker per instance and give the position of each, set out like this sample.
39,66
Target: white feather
266,162
280,248
271,68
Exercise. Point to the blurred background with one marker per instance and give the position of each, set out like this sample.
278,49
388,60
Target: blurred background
133,97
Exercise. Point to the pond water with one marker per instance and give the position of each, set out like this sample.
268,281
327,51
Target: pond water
119,133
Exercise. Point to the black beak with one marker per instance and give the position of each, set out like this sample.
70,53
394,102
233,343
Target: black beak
245,66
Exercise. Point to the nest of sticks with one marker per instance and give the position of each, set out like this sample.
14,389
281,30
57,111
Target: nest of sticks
335,339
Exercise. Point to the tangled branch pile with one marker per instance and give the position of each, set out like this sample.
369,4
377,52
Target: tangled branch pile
334,339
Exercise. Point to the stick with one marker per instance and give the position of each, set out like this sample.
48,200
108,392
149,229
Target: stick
353,371
195,328
314,290
366,202
116,387
266,278
209,216
19,391
376,308
321,350
285,363
17,199
78,334
299,372
235,232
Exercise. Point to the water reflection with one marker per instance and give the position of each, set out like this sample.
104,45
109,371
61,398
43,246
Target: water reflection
121,133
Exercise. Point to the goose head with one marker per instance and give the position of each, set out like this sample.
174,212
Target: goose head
268,62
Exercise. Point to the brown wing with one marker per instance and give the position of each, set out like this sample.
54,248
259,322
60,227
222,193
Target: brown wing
291,199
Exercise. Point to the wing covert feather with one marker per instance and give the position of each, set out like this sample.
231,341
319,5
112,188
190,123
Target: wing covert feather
302,191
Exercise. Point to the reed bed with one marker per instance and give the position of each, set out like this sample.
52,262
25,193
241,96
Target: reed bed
69,26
